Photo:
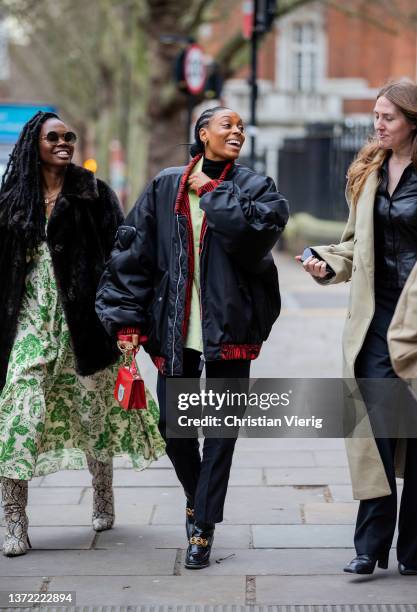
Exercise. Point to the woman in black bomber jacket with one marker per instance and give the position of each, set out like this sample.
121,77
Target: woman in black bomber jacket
57,227
192,271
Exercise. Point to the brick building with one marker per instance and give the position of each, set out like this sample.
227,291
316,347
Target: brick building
318,65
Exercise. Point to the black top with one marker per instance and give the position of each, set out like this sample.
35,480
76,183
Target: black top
213,169
395,229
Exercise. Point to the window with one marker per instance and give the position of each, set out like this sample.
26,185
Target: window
305,51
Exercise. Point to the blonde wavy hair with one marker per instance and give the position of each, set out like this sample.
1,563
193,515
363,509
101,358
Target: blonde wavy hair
403,94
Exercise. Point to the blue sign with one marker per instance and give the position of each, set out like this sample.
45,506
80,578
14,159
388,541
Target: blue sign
14,116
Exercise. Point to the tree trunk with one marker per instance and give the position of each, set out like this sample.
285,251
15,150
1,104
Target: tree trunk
167,107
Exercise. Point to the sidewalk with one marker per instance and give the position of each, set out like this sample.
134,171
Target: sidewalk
289,514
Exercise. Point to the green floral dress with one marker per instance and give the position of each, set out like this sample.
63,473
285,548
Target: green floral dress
49,415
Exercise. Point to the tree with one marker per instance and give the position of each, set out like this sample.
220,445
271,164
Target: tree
167,107
110,66
89,63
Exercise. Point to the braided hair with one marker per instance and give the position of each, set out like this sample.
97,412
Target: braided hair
203,121
21,188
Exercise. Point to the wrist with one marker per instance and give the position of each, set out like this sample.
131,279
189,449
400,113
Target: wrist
210,186
131,335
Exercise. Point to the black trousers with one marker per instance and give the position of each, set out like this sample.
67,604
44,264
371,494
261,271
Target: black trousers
204,478
377,517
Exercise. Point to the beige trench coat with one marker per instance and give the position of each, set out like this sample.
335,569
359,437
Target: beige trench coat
353,260
402,333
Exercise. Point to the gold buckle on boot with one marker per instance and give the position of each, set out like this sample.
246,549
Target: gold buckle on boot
199,541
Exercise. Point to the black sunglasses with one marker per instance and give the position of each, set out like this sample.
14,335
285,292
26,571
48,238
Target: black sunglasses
54,137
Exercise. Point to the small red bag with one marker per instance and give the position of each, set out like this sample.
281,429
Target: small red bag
130,388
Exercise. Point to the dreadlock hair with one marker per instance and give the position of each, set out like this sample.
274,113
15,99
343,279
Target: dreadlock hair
22,183
203,121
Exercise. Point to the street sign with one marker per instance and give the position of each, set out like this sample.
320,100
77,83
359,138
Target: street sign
195,71
247,23
12,119
14,116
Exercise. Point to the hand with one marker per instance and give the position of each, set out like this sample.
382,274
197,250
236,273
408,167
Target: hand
197,180
129,342
315,267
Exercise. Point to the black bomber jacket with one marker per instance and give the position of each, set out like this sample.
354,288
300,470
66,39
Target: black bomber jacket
147,280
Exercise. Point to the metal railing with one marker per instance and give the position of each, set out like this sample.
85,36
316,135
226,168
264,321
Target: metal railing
312,169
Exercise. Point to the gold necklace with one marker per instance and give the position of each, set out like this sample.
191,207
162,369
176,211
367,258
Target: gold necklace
51,198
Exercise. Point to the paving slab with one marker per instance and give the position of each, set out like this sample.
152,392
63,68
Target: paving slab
301,562
36,482
252,511
138,514
91,562
272,458
305,476
67,478
167,477
162,462
148,478
338,513
171,496
333,458
302,536
246,477
381,588
149,537
277,496
270,505
343,493
39,496
298,340
161,590
63,538
20,583
123,462
290,444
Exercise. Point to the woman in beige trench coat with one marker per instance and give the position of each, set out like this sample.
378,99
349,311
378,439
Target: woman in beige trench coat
377,251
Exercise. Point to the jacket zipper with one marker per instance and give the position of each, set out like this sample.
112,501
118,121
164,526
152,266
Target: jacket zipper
176,298
201,247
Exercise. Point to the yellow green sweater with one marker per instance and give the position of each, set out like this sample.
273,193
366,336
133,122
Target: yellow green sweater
194,338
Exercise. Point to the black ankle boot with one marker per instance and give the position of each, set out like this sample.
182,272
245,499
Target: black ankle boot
407,571
365,564
189,519
199,547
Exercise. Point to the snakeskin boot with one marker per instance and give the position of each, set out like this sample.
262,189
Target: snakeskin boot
15,499
103,500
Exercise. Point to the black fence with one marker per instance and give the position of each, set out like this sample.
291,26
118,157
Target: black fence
260,162
312,170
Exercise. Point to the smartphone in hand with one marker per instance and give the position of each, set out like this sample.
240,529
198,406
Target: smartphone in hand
308,252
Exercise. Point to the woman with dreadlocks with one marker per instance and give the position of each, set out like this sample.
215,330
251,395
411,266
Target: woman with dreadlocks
193,272
57,227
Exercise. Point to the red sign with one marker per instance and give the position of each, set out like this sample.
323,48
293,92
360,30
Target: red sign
247,24
195,71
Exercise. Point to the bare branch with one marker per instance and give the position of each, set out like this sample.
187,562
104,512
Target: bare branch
197,17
